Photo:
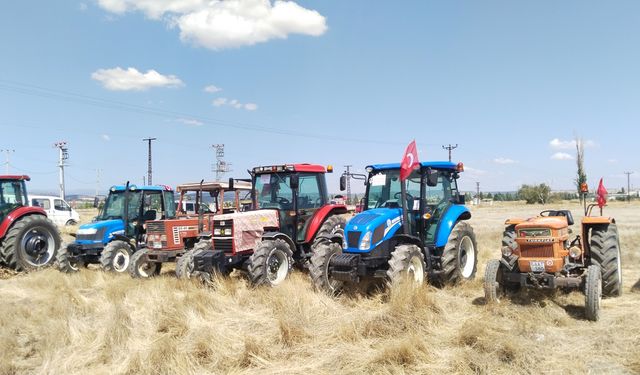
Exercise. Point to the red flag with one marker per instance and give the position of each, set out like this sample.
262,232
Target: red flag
409,161
601,195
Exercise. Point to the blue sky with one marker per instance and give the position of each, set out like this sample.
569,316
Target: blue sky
330,82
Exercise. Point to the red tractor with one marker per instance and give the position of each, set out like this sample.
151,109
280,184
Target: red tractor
168,239
28,239
292,216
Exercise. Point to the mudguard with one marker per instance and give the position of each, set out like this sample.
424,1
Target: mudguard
17,214
454,214
281,236
319,217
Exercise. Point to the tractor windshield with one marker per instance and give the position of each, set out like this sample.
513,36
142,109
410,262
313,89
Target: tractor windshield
273,191
114,206
383,189
12,195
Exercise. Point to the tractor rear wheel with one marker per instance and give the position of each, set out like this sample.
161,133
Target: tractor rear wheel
605,252
333,225
319,267
494,288
116,256
460,255
32,242
407,262
139,267
509,237
270,263
593,292
66,262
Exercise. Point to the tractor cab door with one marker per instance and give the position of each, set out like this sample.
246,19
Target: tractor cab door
436,201
311,195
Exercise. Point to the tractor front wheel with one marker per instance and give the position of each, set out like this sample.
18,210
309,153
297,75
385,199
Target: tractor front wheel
139,267
605,252
66,262
184,265
494,288
407,262
460,255
270,263
116,256
32,242
593,292
319,267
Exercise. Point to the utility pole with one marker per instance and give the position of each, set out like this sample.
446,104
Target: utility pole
478,193
63,155
98,181
450,148
8,158
628,185
348,174
221,167
149,170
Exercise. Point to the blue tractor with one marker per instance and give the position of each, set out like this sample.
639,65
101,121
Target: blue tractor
431,239
119,230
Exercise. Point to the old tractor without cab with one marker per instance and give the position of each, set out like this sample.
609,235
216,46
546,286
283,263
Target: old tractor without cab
540,253
434,241
28,239
169,239
291,217
119,230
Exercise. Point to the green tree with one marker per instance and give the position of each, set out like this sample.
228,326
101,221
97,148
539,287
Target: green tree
535,193
581,177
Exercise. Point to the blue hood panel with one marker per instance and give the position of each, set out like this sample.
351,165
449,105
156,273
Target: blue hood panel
389,218
105,230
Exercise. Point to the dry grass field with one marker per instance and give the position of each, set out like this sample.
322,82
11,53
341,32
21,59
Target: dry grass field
98,323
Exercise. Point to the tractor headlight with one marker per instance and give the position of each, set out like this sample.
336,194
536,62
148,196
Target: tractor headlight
344,243
366,241
507,251
87,231
217,232
575,252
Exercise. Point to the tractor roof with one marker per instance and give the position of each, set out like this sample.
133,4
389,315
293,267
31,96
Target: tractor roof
424,164
15,177
304,167
213,186
133,187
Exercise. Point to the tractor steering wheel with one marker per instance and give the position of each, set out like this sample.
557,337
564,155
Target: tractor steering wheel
399,194
283,200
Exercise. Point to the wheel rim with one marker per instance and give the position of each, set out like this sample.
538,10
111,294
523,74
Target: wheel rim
467,256
38,246
147,269
277,266
121,260
415,270
619,271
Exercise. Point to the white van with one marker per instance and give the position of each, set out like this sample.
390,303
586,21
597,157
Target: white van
57,209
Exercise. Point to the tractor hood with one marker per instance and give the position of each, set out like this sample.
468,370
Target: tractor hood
381,223
99,231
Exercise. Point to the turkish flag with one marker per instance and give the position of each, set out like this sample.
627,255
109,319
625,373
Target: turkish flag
601,195
409,161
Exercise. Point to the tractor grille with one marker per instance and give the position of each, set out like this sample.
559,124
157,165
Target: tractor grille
353,239
155,227
537,251
92,237
225,245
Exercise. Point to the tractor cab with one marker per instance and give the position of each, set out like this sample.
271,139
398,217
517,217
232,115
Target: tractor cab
13,194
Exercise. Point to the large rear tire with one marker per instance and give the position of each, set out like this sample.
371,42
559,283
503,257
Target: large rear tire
319,267
407,262
139,267
333,225
605,253
184,265
460,255
66,262
116,256
270,263
593,292
509,237
32,242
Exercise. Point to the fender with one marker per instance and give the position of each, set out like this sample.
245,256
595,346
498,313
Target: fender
123,238
280,236
454,214
319,217
17,214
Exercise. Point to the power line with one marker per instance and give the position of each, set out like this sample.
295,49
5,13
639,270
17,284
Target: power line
221,167
149,170
449,148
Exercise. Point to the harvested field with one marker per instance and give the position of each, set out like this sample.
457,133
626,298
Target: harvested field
99,323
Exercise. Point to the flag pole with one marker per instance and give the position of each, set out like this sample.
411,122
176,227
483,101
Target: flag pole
405,209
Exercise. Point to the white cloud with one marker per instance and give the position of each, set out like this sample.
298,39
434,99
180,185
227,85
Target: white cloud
561,156
613,161
474,172
212,89
558,144
504,161
105,137
234,103
216,24
131,79
190,121
82,7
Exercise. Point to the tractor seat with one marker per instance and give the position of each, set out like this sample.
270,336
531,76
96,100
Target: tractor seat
565,213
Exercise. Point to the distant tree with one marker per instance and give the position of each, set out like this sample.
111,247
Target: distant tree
581,177
535,193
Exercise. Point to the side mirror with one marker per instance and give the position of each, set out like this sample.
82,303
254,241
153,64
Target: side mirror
461,199
294,181
230,183
432,177
343,183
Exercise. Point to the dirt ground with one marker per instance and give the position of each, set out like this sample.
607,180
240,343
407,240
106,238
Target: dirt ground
98,323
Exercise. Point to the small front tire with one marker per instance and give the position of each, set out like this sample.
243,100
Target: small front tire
140,267
593,292
407,262
116,256
494,288
319,268
270,263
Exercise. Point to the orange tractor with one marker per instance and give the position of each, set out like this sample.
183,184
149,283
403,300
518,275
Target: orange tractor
540,253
